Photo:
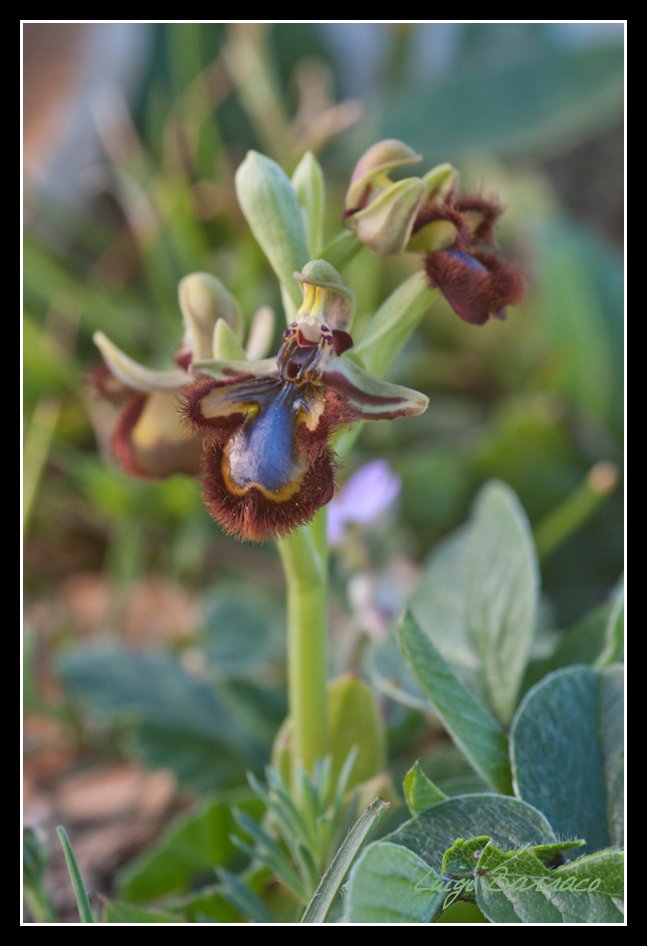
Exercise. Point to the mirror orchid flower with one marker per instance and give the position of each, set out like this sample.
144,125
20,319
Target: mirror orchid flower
267,425
428,215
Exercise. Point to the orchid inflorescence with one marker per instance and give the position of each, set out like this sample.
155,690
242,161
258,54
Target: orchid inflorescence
260,429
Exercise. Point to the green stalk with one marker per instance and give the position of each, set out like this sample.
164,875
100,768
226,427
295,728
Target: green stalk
571,514
306,576
341,249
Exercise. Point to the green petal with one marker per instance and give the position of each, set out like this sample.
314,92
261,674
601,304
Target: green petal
261,333
134,375
226,344
204,300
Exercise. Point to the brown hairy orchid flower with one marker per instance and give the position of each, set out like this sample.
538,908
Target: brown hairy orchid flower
148,437
268,464
454,232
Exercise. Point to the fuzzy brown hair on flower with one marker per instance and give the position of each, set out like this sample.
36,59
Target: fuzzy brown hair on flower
268,464
455,233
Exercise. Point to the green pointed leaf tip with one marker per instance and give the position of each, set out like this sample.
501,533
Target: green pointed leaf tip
83,905
272,210
471,726
567,753
419,791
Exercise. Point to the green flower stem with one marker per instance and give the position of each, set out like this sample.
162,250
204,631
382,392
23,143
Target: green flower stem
306,576
341,249
571,514
305,552
393,324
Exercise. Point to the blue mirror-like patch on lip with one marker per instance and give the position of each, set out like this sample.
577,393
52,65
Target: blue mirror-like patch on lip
262,454
474,264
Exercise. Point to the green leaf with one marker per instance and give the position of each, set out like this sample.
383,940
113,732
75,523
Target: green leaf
321,902
78,885
179,721
532,104
271,208
190,849
419,791
204,904
388,672
459,860
502,594
243,633
581,644
390,884
243,898
270,851
355,722
567,753
125,913
515,886
470,725
461,912
399,878
614,632
508,821
477,600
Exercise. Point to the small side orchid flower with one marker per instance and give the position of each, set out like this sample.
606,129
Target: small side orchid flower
455,233
148,438
268,465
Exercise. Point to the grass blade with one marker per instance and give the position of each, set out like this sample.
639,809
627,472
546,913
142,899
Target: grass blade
80,893
322,899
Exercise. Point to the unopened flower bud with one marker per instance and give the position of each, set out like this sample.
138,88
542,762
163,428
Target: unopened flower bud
371,172
385,224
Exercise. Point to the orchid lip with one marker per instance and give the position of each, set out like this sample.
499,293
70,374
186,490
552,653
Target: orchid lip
262,454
